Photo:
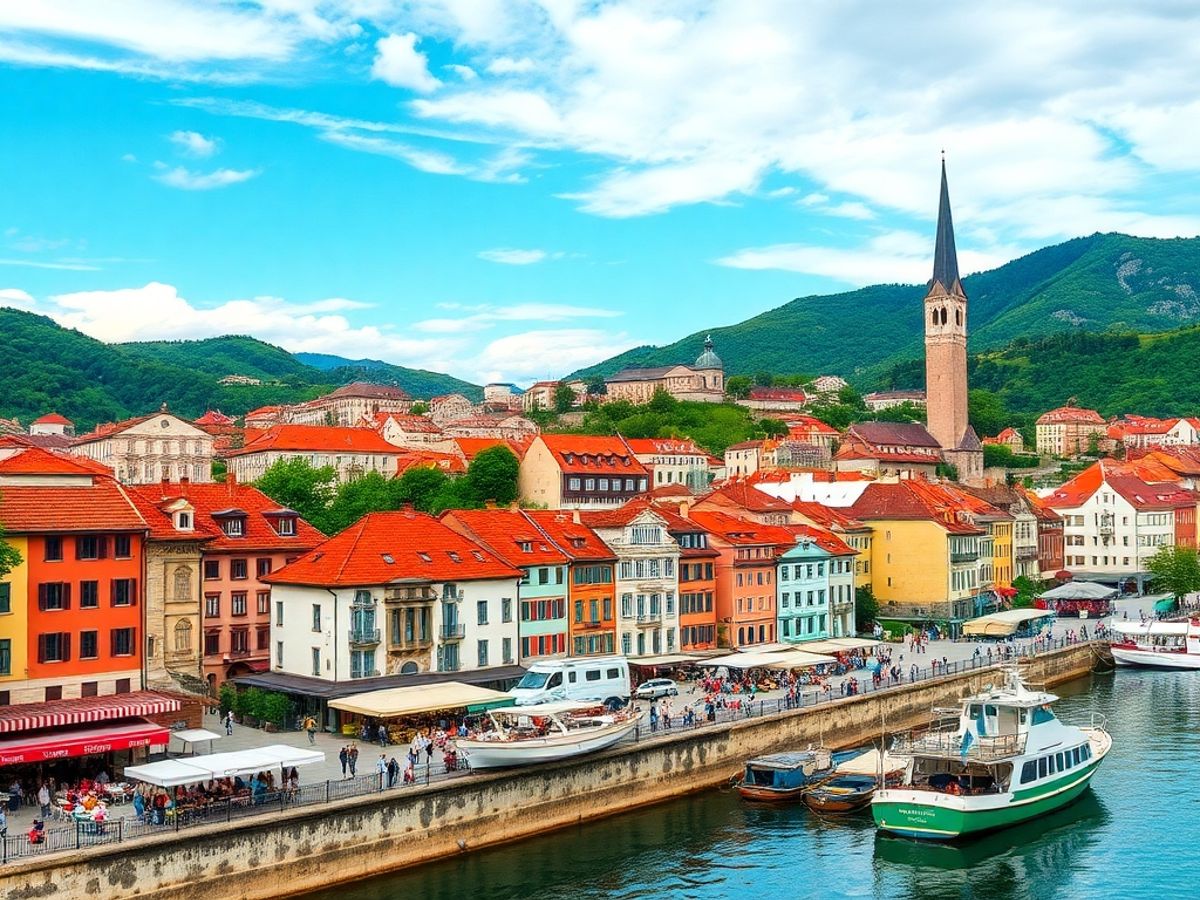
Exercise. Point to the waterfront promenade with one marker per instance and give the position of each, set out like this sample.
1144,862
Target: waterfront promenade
324,784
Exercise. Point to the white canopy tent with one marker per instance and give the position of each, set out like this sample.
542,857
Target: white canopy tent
189,737
194,769
789,659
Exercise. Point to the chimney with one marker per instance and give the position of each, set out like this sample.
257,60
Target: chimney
575,517
489,504
685,507
515,506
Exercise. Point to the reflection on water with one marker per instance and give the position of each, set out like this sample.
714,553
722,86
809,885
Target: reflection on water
1135,834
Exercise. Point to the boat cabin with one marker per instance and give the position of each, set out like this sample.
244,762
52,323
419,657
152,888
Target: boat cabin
1160,637
787,771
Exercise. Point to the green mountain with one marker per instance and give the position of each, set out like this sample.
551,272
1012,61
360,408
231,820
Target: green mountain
1105,282
418,382
45,367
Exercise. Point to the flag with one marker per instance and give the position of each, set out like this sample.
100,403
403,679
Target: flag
979,724
968,739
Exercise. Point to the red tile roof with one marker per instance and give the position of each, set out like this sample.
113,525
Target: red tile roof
893,434
470,447
575,539
827,517
914,499
739,531
213,417
508,534
370,390
748,497
826,540
1070,414
659,446
84,500
588,454
259,528
39,461
409,423
324,438
416,459
52,419
418,546
789,395
744,445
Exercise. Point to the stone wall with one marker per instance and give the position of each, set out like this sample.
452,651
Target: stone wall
315,847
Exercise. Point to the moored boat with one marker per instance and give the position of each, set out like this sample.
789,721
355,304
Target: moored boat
1157,645
1008,759
841,794
785,776
523,735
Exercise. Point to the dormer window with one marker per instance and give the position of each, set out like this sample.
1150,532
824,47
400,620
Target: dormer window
234,526
183,521
454,557
526,546
286,527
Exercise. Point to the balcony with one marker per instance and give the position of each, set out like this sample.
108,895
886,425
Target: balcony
453,632
590,624
239,654
410,643
364,673
449,596
964,556
653,618
395,595
1027,553
362,636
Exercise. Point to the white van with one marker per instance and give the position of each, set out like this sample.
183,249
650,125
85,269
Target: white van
603,679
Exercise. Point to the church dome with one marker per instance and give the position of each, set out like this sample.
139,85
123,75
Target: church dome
708,359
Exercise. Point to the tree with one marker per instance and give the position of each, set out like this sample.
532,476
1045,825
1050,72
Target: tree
662,402
10,556
773,428
420,487
866,607
297,485
564,399
986,412
764,379
1027,591
357,497
597,386
738,386
492,475
419,408
1176,570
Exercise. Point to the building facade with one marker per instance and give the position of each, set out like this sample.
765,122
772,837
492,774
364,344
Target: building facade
351,452
704,380
567,471
1070,431
150,448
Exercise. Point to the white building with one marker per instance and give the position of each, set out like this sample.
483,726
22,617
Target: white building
150,448
348,404
647,580
350,451
396,593
672,461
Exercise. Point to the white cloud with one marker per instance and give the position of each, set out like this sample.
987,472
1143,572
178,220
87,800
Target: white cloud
478,318
466,73
399,63
193,143
35,264
546,353
512,257
506,65
15,297
187,180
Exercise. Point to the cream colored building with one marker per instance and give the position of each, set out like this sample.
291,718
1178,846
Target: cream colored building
704,380
1069,430
150,448
348,404
350,451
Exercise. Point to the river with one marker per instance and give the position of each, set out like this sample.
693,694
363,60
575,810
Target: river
1135,834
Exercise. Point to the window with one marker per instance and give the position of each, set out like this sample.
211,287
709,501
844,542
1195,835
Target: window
212,643
122,641
122,546
237,569
316,616
123,590
212,569
506,648
182,588
263,600
183,636
54,693
506,614
483,654
89,689
5,656
572,484
122,686
234,526
55,595
316,661
89,546
1043,767
481,612
238,603
89,594
285,526
239,641
279,653
262,566
579,610
278,613
53,549
543,576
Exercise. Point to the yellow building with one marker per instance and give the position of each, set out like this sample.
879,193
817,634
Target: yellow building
14,608
929,557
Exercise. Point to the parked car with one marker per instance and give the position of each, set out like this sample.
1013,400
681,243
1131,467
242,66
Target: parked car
657,687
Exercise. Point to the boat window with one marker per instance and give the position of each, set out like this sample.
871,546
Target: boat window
1042,714
1028,771
976,711
990,711
1075,755
592,675
1058,762
533,680
1023,716
1050,763
1042,767
614,674
555,680
1085,752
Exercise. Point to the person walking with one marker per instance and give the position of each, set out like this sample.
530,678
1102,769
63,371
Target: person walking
352,759
653,717
383,735
381,768
310,725
344,759
393,771
229,722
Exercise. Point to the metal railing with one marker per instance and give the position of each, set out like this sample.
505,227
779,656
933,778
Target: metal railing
949,744
727,708
453,632
364,635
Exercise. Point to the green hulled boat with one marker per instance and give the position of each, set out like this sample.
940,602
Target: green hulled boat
1007,759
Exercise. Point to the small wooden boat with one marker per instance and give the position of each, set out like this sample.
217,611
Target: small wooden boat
840,794
546,732
786,776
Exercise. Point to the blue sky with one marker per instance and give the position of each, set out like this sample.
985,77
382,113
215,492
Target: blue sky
509,189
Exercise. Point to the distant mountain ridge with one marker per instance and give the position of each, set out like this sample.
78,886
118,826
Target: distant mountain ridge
1101,283
45,367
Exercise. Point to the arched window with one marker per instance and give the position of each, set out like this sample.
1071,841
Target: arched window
958,317
183,636
183,585
933,317
409,668
944,316
741,635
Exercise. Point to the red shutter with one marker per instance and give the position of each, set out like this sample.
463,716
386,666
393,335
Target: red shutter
112,642
133,594
41,650
66,596
41,604
66,646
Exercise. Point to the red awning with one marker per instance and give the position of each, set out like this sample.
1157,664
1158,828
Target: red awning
82,742
35,716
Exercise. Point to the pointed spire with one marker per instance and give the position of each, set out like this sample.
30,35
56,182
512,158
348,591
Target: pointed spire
945,258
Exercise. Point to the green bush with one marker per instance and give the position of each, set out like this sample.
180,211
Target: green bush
276,708
227,698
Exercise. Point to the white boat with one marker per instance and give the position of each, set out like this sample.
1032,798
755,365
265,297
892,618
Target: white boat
1157,645
545,732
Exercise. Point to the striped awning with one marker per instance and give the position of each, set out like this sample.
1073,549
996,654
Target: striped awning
32,716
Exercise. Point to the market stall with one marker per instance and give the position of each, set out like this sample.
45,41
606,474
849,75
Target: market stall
1008,623
403,711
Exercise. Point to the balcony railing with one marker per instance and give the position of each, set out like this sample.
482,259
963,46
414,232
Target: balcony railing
649,618
364,635
239,654
948,744
364,673
453,632
590,624
411,643
409,595
1027,552
962,556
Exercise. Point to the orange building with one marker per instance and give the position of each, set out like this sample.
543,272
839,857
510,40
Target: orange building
591,604
83,542
745,576
697,581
